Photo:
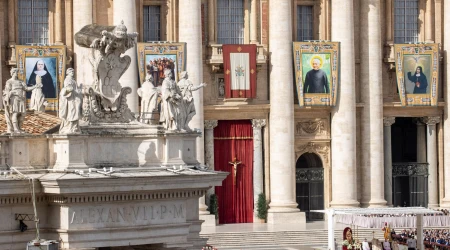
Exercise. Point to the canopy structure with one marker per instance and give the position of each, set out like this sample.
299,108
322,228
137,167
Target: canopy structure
394,211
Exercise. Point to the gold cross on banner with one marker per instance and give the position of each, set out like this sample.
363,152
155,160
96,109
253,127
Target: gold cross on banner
235,164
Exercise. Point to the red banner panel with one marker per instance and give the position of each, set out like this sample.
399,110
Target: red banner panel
239,66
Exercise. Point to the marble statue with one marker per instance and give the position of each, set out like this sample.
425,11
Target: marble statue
170,103
107,98
14,101
187,103
149,99
70,101
37,101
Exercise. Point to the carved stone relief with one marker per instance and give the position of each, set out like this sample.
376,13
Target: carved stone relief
311,127
312,147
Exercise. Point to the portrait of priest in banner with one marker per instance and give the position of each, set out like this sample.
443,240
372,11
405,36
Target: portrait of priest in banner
316,80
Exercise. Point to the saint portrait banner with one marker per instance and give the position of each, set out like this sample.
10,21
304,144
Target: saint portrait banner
316,72
239,66
154,58
42,65
417,70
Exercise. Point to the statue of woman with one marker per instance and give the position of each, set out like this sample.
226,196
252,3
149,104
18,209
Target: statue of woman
37,101
186,87
149,99
70,100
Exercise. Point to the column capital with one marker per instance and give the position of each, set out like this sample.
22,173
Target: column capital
431,120
388,121
418,121
258,123
210,124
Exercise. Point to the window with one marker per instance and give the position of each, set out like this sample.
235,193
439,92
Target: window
406,21
304,23
152,23
230,21
33,21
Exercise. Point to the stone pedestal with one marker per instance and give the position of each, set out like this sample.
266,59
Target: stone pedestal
130,146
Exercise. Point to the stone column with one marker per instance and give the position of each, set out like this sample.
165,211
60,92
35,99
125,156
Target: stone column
211,22
429,21
125,10
446,48
343,121
283,205
58,22
258,167
209,150
253,22
190,30
372,115
387,122
82,16
433,182
421,143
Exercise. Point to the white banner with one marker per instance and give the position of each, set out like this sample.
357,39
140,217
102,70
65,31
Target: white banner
240,71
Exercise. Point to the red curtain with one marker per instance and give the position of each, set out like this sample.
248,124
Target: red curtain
234,139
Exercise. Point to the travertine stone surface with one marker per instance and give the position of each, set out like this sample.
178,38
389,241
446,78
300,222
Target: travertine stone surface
283,205
125,10
190,31
343,119
433,182
372,114
387,122
446,47
258,168
82,16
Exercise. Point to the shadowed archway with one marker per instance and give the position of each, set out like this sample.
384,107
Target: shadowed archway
309,185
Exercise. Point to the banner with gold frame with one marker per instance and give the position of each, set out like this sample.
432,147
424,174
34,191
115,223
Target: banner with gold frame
48,62
153,58
317,72
417,70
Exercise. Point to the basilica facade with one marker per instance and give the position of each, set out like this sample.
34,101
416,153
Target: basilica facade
366,151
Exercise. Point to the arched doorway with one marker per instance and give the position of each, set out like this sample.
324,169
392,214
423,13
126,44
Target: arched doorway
309,185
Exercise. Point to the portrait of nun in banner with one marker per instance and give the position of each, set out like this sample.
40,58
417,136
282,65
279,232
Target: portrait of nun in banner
42,71
416,70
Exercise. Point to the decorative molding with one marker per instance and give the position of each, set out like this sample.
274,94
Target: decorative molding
60,199
210,124
308,174
409,169
310,127
418,121
258,123
311,147
63,199
388,121
431,120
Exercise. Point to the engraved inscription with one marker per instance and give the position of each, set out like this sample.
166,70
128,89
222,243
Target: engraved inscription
139,214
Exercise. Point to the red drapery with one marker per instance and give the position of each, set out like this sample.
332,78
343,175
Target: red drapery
239,48
234,139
